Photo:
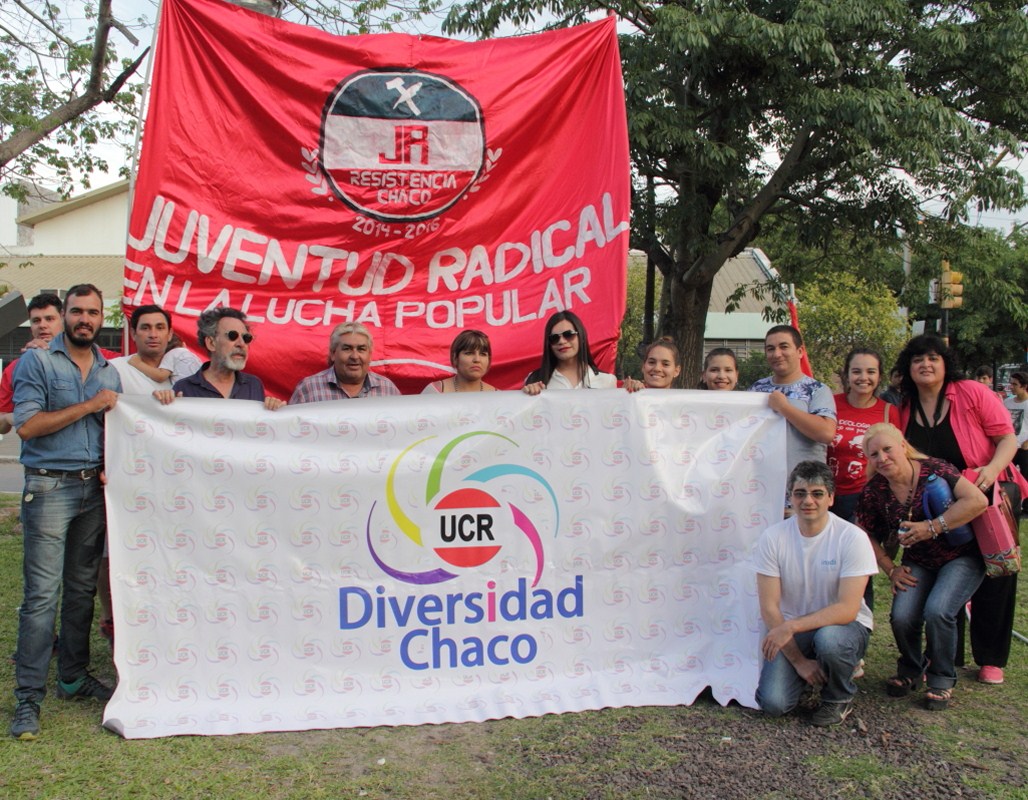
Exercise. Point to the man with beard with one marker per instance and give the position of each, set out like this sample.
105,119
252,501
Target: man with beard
60,397
223,333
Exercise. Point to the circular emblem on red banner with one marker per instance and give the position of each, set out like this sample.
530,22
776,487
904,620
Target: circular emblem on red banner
400,144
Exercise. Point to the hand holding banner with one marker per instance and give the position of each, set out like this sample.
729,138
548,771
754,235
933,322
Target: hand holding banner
391,563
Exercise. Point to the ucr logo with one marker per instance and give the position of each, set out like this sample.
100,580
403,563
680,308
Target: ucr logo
469,525
401,145
466,518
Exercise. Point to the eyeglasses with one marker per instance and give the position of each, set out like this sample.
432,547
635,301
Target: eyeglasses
568,336
233,335
802,494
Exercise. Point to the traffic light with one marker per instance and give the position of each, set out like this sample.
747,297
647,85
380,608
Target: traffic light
951,287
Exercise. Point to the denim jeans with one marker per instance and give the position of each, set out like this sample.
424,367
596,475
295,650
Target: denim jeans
837,648
64,522
931,608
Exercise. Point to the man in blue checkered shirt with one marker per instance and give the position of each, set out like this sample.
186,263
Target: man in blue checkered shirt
348,375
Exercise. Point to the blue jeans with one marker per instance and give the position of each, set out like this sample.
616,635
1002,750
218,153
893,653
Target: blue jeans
837,648
64,523
932,607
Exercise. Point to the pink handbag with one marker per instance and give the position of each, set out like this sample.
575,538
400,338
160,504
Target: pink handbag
996,531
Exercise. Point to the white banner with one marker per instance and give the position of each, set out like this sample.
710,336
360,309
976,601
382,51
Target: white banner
397,561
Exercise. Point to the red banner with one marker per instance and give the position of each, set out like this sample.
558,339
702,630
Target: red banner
418,185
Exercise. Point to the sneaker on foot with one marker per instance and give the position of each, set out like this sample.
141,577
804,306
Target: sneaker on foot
858,671
86,686
26,721
993,675
829,714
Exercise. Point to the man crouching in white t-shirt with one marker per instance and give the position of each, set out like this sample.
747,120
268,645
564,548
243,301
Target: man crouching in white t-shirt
811,573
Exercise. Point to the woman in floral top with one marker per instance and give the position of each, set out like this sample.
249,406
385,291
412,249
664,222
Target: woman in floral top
935,580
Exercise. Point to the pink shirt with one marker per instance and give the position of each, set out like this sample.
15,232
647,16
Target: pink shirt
976,415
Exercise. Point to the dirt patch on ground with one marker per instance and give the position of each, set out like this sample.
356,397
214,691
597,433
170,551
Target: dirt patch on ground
881,751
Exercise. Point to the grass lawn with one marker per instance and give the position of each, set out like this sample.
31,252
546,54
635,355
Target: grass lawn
889,748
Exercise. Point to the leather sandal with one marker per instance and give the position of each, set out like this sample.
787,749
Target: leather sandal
899,686
938,699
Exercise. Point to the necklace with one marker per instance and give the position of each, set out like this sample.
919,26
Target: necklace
481,386
915,474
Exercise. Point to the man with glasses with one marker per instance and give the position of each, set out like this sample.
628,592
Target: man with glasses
223,333
811,572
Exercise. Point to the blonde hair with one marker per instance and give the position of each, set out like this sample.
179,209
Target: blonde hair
888,429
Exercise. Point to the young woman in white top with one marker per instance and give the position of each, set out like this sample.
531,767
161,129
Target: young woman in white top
566,362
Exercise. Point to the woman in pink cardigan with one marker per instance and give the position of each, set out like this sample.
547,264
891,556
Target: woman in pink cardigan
961,421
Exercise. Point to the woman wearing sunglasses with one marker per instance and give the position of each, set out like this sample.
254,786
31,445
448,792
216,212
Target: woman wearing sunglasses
566,362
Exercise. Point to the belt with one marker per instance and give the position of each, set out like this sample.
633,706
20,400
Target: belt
80,474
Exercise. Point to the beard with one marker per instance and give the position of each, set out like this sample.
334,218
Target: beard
232,364
80,337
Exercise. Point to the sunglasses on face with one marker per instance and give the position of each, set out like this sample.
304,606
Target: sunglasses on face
568,336
233,335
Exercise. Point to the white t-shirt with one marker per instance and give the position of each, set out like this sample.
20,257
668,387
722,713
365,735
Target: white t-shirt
135,382
181,362
810,567
1019,416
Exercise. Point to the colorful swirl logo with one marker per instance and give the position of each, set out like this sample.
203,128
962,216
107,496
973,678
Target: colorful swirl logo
473,523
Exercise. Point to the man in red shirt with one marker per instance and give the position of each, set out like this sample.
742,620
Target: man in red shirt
45,323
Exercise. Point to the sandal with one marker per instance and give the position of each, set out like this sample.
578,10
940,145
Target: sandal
938,699
898,686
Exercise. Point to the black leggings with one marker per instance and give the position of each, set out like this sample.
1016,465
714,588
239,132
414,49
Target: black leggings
992,608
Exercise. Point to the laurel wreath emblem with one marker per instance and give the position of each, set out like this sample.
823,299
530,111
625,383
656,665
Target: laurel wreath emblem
313,176
491,157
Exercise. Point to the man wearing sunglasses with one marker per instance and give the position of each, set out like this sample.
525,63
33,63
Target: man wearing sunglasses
811,572
223,333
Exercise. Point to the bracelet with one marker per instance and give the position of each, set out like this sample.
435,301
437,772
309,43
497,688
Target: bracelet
943,525
931,530
894,568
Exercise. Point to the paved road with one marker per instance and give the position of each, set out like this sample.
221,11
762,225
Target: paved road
11,476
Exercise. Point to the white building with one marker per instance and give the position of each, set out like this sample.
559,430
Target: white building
48,244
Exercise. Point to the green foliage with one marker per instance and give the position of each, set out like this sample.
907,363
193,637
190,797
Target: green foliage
840,312
753,368
632,327
989,327
63,91
833,116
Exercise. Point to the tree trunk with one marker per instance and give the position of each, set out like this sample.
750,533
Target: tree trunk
685,322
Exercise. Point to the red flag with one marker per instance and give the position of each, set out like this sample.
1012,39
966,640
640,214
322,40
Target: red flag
794,320
418,185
